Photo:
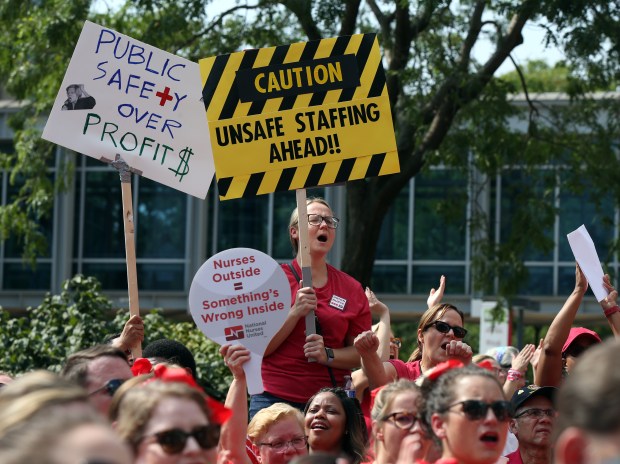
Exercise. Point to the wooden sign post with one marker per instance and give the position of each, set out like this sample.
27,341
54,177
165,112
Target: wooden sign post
125,172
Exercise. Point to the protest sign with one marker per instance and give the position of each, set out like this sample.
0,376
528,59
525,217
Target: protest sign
494,326
297,116
123,97
586,256
241,296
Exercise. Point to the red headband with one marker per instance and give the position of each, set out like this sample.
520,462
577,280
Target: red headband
163,373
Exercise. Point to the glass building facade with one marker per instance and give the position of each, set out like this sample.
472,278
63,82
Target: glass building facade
175,233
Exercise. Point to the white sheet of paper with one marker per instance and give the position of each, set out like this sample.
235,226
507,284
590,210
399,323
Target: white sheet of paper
585,253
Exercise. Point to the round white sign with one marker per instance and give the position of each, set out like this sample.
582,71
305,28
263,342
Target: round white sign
241,296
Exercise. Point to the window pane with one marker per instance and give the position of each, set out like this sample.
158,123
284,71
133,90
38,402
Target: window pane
160,277
580,208
243,223
440,215
103,216
395,229
161,221
427,277
389,279
113,276
283,205
13,247
521,200
19,276
539,282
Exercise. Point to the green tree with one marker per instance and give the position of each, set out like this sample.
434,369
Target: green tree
540,77
81,316
443,98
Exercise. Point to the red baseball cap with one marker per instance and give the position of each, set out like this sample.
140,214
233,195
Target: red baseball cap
580,332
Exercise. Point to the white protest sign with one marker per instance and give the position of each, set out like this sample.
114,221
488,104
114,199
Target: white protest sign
122,96
241,296
494,326
586,256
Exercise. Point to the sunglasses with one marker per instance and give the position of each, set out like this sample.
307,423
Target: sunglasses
173,441
396,342
109,387
477,409
444,328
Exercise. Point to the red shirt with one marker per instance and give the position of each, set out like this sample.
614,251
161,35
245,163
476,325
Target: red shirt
406,370
514,457
343,312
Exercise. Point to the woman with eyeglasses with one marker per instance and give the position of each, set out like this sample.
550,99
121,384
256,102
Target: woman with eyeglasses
440,338
396,414
334,425
167,422
342,312
275,435
468,414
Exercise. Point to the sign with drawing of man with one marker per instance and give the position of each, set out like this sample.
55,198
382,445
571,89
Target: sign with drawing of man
138,102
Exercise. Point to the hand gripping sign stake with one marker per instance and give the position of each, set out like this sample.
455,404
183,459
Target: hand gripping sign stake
125,172
241,296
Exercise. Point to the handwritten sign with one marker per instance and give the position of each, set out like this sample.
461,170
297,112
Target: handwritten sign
298,116
241,296
122,96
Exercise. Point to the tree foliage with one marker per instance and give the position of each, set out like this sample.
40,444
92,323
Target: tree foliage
444,98
80,317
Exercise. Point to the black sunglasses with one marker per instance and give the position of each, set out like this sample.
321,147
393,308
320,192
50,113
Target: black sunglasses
444,328
173,441
109,387
477,409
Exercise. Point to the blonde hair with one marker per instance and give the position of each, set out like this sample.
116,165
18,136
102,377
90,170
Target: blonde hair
294,220
431,315
33,392
265,418
138,403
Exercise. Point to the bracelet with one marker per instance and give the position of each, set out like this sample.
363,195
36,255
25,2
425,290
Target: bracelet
514,374
609,311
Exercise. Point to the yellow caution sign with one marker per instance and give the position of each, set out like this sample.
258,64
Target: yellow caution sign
298,116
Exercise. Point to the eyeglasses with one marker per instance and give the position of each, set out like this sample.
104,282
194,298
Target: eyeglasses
444,328
403,420
280,446
396,342
537,413
330,221
173,441
477,409
109,387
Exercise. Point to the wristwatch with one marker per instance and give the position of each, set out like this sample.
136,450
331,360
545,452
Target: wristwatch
330,355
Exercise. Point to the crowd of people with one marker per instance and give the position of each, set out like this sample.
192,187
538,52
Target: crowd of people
340,395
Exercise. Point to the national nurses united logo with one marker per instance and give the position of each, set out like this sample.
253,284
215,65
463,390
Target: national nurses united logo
234,333
298,116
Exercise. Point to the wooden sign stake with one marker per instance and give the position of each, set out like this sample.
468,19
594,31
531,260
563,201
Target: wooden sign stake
125,172
304,254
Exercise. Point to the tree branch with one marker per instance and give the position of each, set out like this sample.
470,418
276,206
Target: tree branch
530,103
302,9
216,22
350,17
383,20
